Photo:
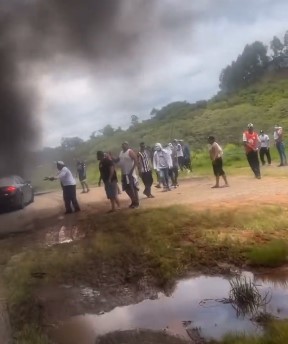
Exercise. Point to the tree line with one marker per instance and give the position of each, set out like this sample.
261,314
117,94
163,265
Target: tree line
250,66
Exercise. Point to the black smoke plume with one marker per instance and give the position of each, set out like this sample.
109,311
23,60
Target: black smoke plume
40,35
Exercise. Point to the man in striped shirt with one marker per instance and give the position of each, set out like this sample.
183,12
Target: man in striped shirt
145,170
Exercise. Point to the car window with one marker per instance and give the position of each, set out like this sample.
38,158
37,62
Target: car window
6,181
19,180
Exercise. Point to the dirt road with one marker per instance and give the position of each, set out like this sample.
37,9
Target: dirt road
194,192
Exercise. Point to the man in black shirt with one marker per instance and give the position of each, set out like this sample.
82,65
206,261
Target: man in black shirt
109,177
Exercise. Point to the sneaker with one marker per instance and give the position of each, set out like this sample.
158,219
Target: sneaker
135,206
158,186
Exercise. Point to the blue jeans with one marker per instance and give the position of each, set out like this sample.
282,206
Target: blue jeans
164,176
281,150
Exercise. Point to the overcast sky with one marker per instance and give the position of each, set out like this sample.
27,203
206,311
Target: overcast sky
179,59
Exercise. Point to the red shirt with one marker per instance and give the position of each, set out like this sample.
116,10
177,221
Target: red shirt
252,140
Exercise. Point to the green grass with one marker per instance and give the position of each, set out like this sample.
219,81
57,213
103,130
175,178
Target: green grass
273,254
276,333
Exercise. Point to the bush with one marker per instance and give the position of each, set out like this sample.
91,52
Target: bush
272,255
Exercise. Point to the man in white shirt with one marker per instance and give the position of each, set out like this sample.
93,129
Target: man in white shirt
68,184
128,163
264,148
162,162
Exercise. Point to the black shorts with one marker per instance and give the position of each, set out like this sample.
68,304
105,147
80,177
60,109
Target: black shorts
218,167
111,189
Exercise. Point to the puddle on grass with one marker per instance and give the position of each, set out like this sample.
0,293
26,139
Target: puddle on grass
182,310
64,235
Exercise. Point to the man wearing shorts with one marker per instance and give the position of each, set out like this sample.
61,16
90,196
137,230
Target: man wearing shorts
109,177
216,154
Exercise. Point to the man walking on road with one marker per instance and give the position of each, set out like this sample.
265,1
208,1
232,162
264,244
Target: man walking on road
109,177
81,173
251,143
162,162
264,148
144,167
279,142
216,154
128,162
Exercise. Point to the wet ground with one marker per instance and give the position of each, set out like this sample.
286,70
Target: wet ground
184,312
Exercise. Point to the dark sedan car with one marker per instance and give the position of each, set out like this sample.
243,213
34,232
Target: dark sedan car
15,192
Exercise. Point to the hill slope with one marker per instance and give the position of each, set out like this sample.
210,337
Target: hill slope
264,104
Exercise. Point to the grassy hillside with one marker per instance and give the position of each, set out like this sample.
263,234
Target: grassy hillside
225,116
264,104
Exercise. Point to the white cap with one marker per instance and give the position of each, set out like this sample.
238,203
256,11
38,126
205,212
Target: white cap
158,145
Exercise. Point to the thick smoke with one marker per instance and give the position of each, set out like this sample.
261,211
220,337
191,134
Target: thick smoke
38,35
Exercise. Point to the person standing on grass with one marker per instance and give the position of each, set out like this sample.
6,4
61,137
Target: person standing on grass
109,177
144,167
81,173
264,148
68,185
162,163
279,142
251,143
216,154
128,162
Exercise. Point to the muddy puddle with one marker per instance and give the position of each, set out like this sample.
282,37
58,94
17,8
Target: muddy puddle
183,311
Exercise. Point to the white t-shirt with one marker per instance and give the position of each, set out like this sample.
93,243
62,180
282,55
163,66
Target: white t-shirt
126,163
264,140
65,176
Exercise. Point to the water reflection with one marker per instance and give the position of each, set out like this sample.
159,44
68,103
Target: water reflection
64,235
184,306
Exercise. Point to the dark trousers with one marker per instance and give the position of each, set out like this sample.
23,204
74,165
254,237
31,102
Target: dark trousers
181,162
164,176
69,196
281,150
187,163
147,181
265,151
173,174
253,161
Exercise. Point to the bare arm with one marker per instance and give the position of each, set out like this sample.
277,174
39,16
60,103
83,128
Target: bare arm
133,156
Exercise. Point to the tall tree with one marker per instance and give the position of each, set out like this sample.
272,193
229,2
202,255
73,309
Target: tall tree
248,67
107,130
134,120
71,143
276,46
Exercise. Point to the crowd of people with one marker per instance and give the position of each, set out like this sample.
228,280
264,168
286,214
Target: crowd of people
166,160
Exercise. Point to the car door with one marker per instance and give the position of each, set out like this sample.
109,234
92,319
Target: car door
24,189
